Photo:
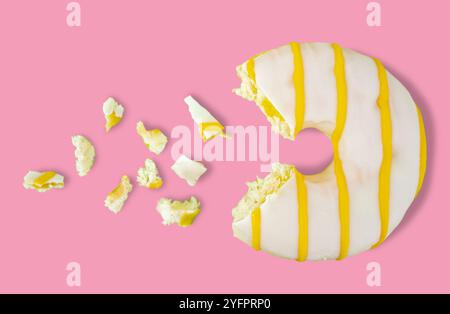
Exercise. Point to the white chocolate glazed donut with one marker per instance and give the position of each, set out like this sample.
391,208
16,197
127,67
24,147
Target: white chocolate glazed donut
379,148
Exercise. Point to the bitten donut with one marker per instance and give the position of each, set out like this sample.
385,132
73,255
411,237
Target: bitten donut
379,146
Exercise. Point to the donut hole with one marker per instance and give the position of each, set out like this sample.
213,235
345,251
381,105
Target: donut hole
311,152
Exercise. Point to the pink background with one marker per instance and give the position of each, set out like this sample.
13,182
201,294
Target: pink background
150,55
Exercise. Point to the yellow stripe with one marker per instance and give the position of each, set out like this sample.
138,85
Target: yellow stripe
267,107
206,125
386,139
210,126
423,152
344,202
302,218
43,178
251,73
299,87
256,228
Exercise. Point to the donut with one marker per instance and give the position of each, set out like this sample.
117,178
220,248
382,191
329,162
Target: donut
379,146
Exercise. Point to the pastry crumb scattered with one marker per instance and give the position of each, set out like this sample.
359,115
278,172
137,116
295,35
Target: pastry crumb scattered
43,181
182,213
113,112
188,169
208,126
84,154
155,140
148,176
117,197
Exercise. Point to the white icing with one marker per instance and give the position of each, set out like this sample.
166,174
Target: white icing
188,169
273,72
279,221
320,86
406,150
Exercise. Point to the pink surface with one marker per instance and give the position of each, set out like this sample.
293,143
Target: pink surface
150,55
